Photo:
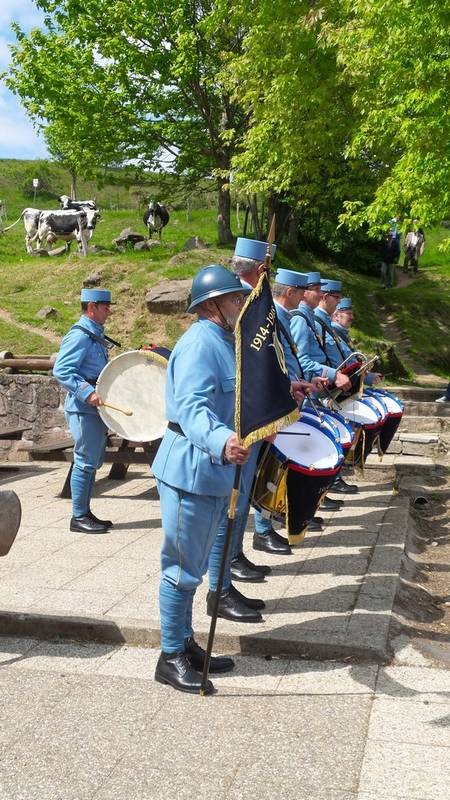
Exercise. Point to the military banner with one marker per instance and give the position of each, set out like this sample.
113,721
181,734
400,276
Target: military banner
264,401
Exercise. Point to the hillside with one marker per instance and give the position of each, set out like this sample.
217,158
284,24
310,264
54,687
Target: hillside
420,309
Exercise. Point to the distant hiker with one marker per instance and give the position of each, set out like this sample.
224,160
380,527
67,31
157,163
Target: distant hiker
390,252
413,247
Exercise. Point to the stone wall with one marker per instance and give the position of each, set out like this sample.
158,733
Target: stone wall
34,400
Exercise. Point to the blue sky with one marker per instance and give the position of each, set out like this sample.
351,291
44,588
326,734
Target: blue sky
18,139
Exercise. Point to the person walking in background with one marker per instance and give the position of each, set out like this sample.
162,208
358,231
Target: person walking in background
390,252
413,247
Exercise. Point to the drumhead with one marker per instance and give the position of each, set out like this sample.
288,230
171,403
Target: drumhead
135,380
317,450
378,403
392,403
361,412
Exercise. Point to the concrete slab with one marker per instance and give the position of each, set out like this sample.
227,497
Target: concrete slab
331,598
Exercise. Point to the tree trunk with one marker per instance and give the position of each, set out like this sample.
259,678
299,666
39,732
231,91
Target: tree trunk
73,184
224,233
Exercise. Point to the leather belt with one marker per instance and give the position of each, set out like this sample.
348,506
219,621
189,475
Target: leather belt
173,426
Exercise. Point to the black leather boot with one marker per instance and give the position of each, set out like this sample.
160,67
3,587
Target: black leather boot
242,571
196,657
106,522
331,505
230,607
313,526
242,560
342,487
86,524
175,670
272,543
248,601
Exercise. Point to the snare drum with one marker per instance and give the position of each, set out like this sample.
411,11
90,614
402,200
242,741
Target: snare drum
294,473
394,408
369,417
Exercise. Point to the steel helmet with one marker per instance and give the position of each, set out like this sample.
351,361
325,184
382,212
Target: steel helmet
213,281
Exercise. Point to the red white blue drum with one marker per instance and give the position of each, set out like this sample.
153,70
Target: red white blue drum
294,473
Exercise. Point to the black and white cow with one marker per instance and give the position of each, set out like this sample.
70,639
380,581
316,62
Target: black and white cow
30,218
156,218
66,225
67,204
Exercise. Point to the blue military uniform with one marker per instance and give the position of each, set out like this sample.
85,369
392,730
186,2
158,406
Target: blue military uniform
194,481
344,338
308,340
77,367
324,325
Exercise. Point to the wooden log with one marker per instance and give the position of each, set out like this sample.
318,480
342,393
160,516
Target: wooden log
28,363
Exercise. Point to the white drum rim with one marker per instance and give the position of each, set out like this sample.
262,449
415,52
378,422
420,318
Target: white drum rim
327,458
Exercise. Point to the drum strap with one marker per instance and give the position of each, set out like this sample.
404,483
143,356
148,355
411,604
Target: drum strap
298,313
104,340
326,329
293,347
173,426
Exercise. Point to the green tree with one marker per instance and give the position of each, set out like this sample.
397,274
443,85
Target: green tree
136,82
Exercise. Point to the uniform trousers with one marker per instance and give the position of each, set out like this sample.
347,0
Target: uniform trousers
190,523
89,435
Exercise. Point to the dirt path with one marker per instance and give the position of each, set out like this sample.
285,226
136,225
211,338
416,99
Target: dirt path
402,343
52,337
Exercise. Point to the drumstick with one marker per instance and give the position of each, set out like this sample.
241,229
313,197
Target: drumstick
126,411
292,433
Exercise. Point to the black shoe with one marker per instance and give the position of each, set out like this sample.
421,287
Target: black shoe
248,601
313,526
196,657
175,670
320,520
105,522
240,571
231,608
342,487
272,543
242,560
86,524
331,505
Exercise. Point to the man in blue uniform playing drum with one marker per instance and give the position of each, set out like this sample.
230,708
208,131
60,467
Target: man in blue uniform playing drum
194,468
81,358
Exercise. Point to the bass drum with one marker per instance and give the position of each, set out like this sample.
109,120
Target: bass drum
294,473
135,381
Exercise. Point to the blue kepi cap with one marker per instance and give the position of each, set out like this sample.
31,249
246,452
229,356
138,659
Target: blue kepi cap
330,286
312,278
345,304
289,277
95,296
252,248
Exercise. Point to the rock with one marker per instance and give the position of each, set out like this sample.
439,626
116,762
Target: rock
58,251
167,298
94,279
46,312
141,246
128,237
153,243
194,243
39,253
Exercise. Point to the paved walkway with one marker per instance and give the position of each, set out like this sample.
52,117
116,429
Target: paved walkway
331,598
89,723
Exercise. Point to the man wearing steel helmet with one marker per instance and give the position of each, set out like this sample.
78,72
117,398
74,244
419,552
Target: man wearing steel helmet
195,466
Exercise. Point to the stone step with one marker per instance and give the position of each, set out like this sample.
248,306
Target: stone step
396,465
419,393
427,409
424,424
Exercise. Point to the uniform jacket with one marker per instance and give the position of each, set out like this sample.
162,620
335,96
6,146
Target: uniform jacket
292,365
80,357
345,345
200,395
311,355
334,353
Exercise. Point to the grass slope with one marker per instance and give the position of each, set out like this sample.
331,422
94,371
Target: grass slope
422,310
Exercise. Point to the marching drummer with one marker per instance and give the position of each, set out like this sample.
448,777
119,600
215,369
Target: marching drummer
342,320
81,358
194,468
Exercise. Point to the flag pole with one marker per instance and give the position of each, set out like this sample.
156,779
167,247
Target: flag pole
226,549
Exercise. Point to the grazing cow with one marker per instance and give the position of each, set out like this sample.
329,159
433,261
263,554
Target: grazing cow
67,204
156,218
67,225
31,222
